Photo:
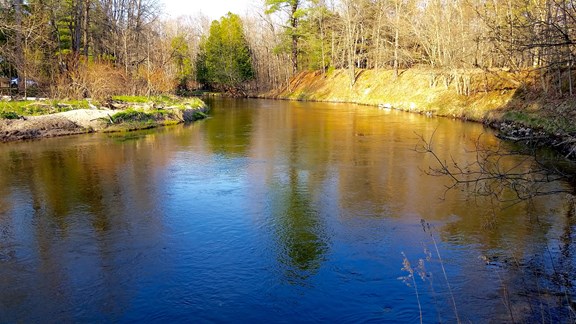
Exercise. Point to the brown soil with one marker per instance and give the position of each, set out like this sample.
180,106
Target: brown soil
81,121
66,123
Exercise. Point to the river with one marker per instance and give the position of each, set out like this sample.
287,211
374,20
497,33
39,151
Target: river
272,211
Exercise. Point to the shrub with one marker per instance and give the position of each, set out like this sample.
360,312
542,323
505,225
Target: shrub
9,115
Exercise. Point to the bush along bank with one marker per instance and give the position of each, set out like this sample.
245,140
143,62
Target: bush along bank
522,106
21,120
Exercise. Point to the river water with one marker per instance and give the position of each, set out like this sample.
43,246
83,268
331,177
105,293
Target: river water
272,211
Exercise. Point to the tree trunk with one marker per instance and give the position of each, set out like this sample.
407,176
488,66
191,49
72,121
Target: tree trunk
396,47
320,22
19,49
397,37
76,26
294,26
86,27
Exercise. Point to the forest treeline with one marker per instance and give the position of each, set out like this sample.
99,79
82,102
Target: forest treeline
94,48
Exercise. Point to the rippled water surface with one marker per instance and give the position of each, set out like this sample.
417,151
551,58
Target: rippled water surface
270,211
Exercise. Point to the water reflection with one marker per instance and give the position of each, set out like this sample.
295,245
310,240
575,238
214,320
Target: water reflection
299,228
231,135
257,213
71,209
299,222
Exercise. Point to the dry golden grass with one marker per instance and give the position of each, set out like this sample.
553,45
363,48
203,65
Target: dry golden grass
411,91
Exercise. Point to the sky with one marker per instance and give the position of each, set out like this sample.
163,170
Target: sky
214,9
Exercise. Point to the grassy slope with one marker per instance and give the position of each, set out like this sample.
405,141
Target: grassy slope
495,96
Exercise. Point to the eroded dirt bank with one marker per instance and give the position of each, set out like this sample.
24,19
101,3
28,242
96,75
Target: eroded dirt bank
85,121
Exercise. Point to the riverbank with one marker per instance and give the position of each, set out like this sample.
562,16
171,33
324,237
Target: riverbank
513,103
24,120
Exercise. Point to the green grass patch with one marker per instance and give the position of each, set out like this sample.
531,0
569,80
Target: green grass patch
133,99
190,103
549,125
132,119
199,115
129,115
16,107
45,107
9,115
35,108
161,100
133,115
